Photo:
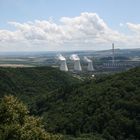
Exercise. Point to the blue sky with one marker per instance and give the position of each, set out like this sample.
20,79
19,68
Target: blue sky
113,12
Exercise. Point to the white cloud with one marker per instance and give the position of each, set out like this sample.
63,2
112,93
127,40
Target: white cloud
84,31
134,27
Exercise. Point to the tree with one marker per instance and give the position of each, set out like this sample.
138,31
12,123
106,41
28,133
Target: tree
17,124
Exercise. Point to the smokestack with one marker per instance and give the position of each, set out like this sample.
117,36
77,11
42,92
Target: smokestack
63,64
76,59
90,65
113,54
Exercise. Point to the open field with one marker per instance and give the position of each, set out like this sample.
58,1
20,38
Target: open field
15,65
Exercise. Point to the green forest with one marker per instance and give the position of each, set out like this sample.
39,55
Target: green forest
43,103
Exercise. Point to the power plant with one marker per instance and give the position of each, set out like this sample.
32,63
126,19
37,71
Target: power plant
63,64
76,59
90,65
108,61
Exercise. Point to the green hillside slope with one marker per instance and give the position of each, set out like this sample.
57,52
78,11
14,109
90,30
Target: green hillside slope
29,84
109,107
105,108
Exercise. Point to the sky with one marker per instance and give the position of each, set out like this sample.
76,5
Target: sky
53,25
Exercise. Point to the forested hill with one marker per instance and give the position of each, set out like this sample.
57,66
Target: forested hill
31,83
108,107
104,108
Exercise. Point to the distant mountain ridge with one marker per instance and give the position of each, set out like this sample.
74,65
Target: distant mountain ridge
53,53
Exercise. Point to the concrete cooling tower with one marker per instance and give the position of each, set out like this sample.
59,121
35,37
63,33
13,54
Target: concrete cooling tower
63,64
90,65
76,59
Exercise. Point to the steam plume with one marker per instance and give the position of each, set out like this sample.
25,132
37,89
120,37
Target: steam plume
87,59
74,57
61,57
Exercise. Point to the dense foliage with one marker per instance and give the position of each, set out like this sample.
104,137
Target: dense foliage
17,124
107,108
31,84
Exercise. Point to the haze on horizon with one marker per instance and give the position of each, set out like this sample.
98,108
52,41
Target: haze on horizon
52,25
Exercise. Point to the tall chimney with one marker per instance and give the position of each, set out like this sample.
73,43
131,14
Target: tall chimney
113,54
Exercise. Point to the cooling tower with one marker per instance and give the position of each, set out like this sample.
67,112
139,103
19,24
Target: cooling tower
76,59
77,65
90,66
63,65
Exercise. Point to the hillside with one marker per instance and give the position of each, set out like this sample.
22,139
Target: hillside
105,108
108,107
29,84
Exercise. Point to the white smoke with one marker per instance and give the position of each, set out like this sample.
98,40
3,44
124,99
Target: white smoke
74,57
87,59
61,57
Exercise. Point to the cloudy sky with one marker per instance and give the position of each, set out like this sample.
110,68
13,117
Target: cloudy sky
52,25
